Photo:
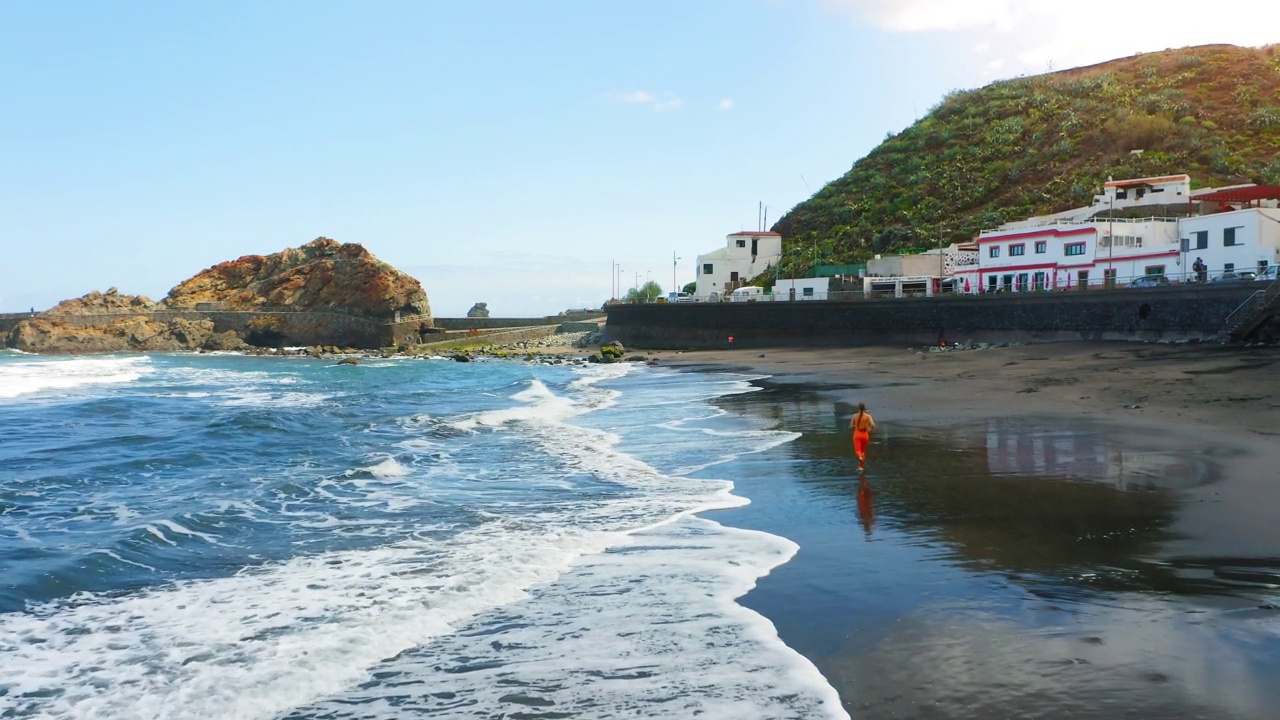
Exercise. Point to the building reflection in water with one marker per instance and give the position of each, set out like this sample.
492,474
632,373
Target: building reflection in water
1085,452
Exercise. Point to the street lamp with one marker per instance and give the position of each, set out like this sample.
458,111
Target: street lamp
674,286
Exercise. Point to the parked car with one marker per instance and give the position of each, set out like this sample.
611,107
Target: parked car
677,297
1145,281
1267,275
1241,276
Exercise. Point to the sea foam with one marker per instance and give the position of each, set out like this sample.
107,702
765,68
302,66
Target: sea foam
26,376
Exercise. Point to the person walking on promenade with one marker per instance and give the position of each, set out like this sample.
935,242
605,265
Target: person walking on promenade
862,424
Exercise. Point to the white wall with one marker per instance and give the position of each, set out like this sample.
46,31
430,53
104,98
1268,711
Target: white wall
736,257
815,287
1257,239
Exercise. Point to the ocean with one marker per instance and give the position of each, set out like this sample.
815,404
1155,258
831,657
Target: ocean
225,536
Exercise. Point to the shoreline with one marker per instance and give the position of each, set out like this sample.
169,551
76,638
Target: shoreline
1119,576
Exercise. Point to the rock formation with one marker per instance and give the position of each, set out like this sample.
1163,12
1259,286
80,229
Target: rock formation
479,310
322,293
111,322
322,274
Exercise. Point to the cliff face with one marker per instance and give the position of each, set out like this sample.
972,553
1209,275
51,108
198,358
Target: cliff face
322,274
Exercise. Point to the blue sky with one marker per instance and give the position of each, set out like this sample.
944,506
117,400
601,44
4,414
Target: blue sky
505,152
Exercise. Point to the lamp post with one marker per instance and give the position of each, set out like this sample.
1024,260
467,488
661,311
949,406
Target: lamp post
674,285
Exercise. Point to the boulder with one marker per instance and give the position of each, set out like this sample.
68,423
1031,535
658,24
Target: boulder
479,310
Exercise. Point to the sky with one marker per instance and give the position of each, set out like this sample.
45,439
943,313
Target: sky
536,156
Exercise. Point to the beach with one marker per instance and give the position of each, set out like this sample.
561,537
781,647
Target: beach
1057,530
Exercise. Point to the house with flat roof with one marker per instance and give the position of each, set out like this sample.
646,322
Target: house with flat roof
744,256
1229,229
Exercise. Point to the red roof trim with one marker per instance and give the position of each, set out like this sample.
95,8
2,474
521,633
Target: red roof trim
1047,232
1244,194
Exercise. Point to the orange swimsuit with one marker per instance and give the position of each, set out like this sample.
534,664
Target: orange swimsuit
862,424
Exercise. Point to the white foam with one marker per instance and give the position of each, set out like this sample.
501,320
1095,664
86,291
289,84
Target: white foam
25,377
389,467
649,629
269,639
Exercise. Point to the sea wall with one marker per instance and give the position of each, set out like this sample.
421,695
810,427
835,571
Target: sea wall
490,323
1151,314
265,329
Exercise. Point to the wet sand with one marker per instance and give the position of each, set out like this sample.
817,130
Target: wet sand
1073,530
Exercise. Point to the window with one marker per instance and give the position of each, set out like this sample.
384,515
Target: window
1202,239
1229,236
1006,283
741,242
1109,278
808,292
1154,270
993,283
1039,280
1022,282
1082,277
994,251
1041,247
706,268
1019,249
1228,267
1075,249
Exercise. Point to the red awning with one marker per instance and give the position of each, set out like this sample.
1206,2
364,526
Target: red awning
1240,195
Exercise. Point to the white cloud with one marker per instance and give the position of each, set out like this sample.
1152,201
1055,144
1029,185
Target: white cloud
1030,36
668,100
725,104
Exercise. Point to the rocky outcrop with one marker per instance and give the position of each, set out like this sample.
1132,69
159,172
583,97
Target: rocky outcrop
111,322
479,310
323,293
320,275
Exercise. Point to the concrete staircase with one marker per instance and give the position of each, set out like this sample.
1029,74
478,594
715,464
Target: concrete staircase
1253,312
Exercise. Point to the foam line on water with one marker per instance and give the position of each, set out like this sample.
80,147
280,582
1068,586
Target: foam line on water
650,628
25,377
268,639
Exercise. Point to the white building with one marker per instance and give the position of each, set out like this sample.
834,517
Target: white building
1065,251
746,255
1233,241
802,289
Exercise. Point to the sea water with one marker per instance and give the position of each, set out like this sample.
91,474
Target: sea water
220,536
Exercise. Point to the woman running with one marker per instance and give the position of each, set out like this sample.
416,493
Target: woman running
862,424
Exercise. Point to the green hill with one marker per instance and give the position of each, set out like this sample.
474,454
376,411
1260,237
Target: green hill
1042,144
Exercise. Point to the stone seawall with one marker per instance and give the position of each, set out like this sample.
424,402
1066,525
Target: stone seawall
265,329
490,323
1123,314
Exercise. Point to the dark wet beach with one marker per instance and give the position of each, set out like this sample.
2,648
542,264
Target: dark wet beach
1020,568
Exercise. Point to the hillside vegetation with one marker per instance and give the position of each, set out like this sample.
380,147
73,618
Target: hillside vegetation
1042,144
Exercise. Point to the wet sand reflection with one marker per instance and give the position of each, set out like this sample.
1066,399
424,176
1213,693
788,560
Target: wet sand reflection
1029,568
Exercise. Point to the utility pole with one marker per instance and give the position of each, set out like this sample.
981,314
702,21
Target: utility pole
675,286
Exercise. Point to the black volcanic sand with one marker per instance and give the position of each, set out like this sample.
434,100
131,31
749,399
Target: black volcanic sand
1032,568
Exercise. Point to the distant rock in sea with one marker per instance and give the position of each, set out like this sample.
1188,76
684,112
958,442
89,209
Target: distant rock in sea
323,293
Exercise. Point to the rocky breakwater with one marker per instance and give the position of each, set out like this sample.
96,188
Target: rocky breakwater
112,322
323,293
